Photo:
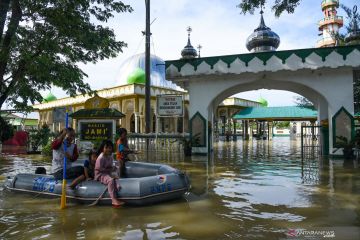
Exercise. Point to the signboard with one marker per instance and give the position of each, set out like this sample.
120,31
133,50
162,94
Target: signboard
96,130
170,105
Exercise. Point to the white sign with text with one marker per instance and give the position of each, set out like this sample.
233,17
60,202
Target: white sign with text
169,105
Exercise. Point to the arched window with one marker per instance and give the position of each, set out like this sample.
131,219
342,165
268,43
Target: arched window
132,123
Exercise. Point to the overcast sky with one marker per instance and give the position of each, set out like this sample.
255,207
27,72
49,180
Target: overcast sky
217,25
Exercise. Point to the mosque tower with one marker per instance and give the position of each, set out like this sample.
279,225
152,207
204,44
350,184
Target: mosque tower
330,24
263,39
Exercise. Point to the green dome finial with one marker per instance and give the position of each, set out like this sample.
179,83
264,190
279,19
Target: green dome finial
263,102
137,76
49,97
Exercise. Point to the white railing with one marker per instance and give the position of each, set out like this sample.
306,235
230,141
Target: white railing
331,19
157,142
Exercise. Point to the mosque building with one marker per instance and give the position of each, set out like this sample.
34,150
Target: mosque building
128,97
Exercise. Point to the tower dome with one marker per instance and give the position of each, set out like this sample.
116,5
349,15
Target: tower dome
263,38
49,97
189,52
132,70
263,102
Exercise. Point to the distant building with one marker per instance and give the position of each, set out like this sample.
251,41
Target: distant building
20,123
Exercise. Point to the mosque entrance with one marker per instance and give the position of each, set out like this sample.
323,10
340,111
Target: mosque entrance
325,76
256,123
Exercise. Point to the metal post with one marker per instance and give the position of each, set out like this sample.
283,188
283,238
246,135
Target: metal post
302,145
147,73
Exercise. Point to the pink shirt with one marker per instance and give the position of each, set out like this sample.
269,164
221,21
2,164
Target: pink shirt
103,166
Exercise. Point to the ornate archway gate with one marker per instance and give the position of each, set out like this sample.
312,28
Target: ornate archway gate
325,76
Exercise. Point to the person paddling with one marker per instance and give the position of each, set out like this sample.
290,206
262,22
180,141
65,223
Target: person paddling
66,136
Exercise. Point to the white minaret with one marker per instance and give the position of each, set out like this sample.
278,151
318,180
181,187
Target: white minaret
330,24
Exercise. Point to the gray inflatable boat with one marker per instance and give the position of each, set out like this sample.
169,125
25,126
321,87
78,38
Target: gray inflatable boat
145,183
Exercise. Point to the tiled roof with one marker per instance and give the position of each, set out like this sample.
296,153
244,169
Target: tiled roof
292,112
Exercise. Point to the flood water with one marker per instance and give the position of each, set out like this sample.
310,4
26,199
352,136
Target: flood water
256,190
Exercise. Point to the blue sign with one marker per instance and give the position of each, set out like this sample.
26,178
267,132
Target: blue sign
44,184
161,188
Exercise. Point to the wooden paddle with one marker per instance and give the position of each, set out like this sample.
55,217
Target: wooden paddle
98,199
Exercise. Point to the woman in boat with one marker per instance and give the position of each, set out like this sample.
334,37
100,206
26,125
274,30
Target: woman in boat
103,171
67,136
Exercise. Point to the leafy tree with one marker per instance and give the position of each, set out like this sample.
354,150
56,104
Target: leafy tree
303,102
282,124
6,130
354,22
279,6
42,41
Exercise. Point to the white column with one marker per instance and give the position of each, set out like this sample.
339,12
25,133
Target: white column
136,122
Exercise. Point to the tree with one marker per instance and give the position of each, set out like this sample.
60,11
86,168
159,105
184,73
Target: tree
282,124
6,130
354,22
303,102
42,41
279,6
39,137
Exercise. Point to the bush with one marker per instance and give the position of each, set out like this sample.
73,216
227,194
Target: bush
46,150
39,137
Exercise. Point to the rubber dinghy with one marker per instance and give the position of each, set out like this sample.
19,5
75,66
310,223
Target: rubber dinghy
144,183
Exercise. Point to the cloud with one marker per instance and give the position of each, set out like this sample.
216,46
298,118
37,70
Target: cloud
217,25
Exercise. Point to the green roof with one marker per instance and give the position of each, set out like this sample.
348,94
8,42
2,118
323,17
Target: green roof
263,102
277,113
99,113
344,51
49,97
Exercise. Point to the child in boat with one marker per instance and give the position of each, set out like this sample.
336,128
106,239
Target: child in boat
122,151
89,169
103,169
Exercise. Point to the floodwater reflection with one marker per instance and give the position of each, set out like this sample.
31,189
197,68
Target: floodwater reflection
255,190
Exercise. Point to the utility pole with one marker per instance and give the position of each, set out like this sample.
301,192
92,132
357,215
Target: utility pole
147,72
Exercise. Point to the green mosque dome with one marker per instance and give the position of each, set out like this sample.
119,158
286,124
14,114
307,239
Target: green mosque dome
263,102
132,70
49,97
137,76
